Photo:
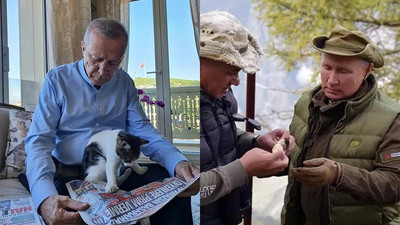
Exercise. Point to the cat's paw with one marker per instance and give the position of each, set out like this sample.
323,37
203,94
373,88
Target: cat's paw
90,178
127,172
111,188
142,170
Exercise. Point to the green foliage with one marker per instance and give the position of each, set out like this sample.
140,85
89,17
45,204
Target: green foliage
293,23
175,82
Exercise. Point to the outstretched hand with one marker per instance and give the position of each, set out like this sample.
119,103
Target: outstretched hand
187,171
268,140
57,209
261,163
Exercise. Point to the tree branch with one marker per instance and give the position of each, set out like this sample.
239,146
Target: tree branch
361,20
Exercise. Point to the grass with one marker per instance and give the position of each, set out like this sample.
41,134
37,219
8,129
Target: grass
175,82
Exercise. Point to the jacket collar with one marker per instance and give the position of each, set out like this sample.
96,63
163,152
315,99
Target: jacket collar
227,98
355,104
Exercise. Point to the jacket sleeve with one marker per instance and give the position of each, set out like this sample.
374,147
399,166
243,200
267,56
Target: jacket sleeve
220,181
380,185
245,141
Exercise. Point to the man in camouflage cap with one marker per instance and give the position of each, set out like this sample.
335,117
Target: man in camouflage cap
346,166
228,155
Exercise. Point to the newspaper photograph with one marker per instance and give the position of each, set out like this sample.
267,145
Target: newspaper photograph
123,207
18,211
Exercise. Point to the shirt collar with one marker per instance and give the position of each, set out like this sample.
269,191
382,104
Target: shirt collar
320,100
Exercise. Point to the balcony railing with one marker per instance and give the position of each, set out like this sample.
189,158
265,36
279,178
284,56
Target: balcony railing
185,111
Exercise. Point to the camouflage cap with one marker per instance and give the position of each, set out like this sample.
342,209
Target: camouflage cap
344,42
223,38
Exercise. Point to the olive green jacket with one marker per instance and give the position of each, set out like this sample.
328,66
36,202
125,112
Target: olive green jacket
369,189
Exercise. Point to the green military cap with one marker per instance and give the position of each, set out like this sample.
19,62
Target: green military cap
344,42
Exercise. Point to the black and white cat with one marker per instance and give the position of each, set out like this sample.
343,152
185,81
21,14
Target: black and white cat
105,154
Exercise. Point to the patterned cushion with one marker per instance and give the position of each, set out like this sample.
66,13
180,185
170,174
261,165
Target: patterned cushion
20,122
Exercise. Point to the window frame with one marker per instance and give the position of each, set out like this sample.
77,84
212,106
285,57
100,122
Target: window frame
162,67
4,59
33,71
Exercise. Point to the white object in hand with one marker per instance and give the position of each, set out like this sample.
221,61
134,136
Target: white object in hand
282,143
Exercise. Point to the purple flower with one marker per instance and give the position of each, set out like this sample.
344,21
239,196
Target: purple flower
160,104
145,98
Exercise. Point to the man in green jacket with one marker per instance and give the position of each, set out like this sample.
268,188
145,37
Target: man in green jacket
346,166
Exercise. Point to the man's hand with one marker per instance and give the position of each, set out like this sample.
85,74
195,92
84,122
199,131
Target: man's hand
187,171
318,172
258,162
56,209
268,140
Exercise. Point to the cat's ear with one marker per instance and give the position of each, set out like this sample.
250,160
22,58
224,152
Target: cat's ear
129,137
140,141
124,134
143,141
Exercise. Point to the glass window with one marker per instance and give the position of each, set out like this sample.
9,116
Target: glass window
148,59
14,74
184,76
23,33
141,66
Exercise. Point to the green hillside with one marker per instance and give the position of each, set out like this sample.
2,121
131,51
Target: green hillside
175,82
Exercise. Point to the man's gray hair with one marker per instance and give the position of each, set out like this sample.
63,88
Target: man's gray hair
108,28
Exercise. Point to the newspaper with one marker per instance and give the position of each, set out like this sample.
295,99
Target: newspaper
122,207
19,211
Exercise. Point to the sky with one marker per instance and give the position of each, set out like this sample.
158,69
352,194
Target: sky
14,51
183,58
13,38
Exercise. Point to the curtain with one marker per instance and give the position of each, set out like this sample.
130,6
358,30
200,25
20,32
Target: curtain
66,22
194,7
118,10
